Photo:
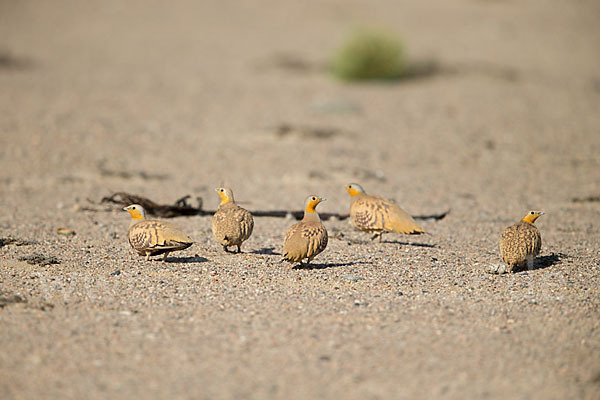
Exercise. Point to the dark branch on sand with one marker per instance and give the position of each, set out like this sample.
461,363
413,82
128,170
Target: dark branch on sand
183,208
325,215
180,208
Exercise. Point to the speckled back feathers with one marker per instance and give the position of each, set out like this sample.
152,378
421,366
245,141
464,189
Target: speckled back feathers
157,237
375,214
519,243
232,224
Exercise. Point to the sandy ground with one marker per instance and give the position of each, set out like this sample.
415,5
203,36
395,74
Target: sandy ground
169,100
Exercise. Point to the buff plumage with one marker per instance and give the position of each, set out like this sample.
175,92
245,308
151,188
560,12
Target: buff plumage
231,224
150,238
521,243
307,238
376,215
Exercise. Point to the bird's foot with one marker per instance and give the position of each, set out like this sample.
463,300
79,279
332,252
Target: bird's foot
377,235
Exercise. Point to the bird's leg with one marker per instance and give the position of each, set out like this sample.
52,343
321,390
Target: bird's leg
165,256
239,248
377,235
529,263
147,256
225,248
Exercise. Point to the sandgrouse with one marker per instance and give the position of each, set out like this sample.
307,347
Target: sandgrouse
231,224
521,243
150,238
307,238
376,215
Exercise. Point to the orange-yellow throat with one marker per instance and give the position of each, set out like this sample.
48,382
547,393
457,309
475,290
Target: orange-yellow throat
312,204
135,214
224,199
352,191
532,216
225,194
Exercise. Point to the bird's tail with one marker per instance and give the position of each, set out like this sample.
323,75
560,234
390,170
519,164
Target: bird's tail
407,227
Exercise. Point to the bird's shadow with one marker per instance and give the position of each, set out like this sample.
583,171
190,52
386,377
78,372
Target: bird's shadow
544,262
266,250
362,242
186,260
414,244
548,261
324,266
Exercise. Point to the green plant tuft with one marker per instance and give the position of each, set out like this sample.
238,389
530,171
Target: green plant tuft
370,55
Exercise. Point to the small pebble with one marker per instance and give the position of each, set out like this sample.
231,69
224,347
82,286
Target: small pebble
65,232
496,269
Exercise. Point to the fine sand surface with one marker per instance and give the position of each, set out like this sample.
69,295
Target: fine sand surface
165,100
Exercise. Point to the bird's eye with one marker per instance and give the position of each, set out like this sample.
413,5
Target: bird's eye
314,198
532,213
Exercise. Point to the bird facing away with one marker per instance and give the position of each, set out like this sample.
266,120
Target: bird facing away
521,243
376,215
151,238
307,238
231,224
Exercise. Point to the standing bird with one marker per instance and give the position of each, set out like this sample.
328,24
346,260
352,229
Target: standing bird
151,238
307,238
231,224
374,214
521,243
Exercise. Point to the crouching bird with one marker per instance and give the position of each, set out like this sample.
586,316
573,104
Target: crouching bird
307,238
151,238
374,214
521,243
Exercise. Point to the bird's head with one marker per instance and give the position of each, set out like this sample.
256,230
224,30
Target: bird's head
136,211
532,216
311,202
226,194
353,189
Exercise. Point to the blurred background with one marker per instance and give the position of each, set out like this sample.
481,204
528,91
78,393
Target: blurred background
496,98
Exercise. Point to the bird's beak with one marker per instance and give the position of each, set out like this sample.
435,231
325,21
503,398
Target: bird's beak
542,213
216,189
323,199
125,208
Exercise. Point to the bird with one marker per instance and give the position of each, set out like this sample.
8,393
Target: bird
377,215
231,224
520,243
307,238
151,238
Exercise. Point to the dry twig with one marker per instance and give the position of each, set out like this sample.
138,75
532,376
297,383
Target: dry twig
183,208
